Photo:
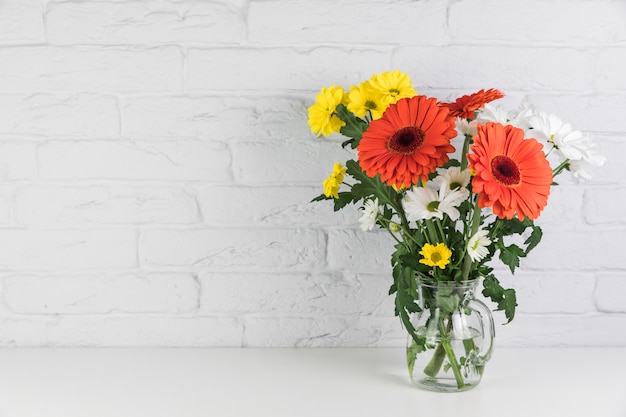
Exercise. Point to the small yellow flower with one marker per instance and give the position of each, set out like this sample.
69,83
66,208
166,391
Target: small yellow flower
331,185
364,98
322,117
331,188
338,172
393,85
435,255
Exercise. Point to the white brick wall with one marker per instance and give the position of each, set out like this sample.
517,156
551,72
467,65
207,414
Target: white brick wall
156,167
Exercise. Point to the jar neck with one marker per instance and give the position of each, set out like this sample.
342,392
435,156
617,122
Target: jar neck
469,286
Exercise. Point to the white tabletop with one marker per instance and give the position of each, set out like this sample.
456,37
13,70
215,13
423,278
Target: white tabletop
301,382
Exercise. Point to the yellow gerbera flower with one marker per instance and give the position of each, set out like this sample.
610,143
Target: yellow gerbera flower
331,185
435,255
322,117
393,85
364,98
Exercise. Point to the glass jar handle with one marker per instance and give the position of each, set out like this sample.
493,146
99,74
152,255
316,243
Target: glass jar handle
488,327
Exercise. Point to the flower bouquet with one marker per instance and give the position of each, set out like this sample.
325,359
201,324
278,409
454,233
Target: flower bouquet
449,215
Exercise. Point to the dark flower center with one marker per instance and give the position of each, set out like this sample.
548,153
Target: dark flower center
432,206
406,140
505,170
370,105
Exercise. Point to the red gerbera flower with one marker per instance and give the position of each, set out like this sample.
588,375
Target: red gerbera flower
512,174
466,106
408,142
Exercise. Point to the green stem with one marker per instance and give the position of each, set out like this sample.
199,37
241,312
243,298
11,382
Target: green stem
397,206
466,144
475,223
475,219
560,168
496,228
387,224
440,228
445,342
412,238
443,350
435,363
432,232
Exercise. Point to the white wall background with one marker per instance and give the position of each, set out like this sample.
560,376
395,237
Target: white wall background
156,166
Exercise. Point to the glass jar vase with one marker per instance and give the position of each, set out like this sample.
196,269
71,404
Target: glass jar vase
453,338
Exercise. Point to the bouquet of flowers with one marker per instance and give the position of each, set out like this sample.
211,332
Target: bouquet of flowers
449,215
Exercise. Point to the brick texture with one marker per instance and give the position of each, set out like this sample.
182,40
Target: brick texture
156,167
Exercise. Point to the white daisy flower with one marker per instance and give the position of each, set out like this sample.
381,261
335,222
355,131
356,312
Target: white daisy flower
421,203
522,115
491,113
498,114
455,179
477,246
579,169
466,127
571,144
370,214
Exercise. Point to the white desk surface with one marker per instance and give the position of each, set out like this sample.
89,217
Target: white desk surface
364,382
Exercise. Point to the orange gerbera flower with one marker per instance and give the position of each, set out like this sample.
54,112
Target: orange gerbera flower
513,175
465,106
408,142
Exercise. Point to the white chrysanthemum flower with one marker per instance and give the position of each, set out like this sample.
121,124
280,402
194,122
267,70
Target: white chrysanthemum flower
370,215
455,179
570,143
466,127
522,115
579,168
519,118
491,113
477,246
416,203
579,171
421,203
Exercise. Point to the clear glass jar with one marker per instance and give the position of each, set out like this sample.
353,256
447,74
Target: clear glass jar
453,337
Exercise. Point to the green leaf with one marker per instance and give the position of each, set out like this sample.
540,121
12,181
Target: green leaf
447,303
353,128
510,255
412,352
368,186
504,298
407,302
534,238
452,163
410,261
508,304
492,288
344,199
405,296
320,197
512,226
